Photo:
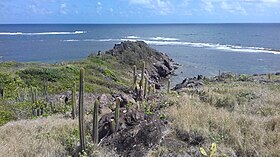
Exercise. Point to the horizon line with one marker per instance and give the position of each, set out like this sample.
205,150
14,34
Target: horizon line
165,23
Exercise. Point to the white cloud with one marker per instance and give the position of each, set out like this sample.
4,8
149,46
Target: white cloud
98,7
208,5
63,8
161,7
233,7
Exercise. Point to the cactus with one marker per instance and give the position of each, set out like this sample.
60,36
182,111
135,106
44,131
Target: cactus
112,126
46,93
145,87
32,95
74,101
269,76
219,78
142,75
81,111
154,89
134,77
117,113
168,86
149,89
95,122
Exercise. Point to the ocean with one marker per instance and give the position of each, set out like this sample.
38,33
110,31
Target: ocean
199,48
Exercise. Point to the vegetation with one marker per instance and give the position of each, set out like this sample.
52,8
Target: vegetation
241,117
226,117
102,76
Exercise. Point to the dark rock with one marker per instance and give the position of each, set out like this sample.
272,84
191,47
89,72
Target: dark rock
278,73
136,140
192,138
162,70
158,65
190,83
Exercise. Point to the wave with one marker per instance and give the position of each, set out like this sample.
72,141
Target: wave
132,37
216,46
70,40
163,39
42,33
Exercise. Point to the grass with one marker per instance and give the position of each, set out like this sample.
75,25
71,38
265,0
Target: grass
51,136
243,118
40,137
103,75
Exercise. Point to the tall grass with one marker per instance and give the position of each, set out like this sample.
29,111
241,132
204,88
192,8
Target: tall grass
239,131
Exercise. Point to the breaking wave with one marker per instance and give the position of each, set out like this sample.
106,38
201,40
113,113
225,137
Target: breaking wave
216,46
42,33
161,41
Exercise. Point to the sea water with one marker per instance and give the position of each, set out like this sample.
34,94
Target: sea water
199,48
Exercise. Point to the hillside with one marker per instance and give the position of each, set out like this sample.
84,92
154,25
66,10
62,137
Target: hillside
227,115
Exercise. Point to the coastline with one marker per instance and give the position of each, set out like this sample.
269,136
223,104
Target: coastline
201,113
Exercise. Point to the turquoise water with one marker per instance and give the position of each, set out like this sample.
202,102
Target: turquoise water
200,48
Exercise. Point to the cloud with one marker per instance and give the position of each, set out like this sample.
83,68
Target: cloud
98,7
233,7
207,5
161,7
38,9
63,8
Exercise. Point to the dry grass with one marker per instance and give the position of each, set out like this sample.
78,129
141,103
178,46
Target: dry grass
40,137
251,128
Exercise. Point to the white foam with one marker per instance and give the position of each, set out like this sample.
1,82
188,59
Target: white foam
71,40
42,33
132,37
215,46
163,39
129,40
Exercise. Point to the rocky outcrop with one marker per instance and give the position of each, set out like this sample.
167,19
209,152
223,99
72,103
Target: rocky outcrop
158,65
195,82
137,136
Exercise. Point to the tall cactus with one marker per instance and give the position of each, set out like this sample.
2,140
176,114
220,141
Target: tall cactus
154,89
142,75
168,86
150,89
145,87
46,93
32,95
74,101
95,122
117,113
81,110
134,77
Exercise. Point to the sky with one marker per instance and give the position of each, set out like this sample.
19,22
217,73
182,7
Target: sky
139,11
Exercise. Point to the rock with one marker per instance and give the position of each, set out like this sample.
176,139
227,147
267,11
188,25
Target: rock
104,100
158,65
278,73
190,83
125,99
162,70
136,140
192,138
